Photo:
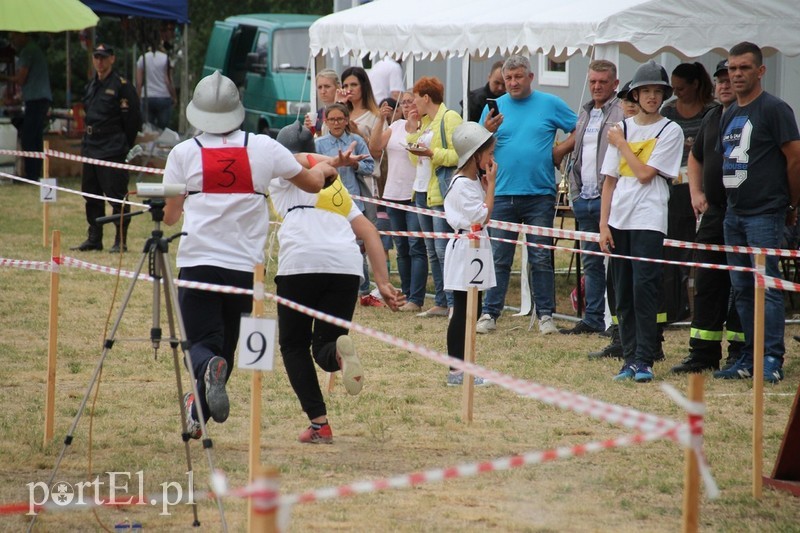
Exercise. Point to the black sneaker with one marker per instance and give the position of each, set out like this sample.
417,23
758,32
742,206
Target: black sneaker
216,396
693,365
580,328
614,348
88,246
116,248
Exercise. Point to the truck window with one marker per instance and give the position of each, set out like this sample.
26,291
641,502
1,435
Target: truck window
290,49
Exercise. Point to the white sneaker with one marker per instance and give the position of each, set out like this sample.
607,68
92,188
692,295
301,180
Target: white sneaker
547,326
485,324
352,372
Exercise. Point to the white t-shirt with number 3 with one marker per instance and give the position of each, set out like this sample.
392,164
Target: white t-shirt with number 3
227,230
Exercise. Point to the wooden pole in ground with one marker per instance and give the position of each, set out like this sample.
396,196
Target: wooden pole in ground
467,400
691,473
758,379
254,459
52,342
331,381
264,517
45,205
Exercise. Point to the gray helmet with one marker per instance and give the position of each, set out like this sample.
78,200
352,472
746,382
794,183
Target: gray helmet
296,138
651,73
215,105
622,94
468,137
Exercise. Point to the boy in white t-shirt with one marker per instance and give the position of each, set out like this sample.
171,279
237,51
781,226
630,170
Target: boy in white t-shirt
644,154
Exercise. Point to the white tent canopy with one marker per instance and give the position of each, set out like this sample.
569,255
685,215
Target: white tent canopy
637,28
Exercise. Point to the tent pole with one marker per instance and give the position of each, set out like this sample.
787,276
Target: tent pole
184,99
69,70
465,85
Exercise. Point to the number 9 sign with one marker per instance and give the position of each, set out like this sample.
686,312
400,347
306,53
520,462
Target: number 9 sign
256,343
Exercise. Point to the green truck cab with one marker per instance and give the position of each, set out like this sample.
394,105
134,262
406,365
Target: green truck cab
266,56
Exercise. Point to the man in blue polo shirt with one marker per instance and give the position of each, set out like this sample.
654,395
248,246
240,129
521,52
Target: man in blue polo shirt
525,130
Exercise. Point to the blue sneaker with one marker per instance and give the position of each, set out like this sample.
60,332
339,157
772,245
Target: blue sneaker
739,370
773,373
626,372
642,373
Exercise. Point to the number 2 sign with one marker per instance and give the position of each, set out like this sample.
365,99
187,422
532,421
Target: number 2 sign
256,343
476,272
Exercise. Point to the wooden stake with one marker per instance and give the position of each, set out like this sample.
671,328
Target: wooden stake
254,458
45,205
52,343
691,474
758,380
467,400
264,513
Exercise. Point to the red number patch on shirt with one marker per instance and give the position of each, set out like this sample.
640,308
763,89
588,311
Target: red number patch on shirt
226,170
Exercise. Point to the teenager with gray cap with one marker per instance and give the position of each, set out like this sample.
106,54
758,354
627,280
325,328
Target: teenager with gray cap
226,172
320,266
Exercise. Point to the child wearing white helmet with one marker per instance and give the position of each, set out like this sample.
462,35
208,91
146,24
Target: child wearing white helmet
468,202
644,155
320,266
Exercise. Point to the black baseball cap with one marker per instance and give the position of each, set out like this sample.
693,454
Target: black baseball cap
722,66
103,50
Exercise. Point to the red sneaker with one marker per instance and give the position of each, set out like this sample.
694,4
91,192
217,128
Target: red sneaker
323,435
369,300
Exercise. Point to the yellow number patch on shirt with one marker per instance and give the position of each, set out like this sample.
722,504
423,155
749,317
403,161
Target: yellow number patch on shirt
335,198
643,150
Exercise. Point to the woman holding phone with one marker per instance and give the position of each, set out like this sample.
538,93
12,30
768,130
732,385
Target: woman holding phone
426,148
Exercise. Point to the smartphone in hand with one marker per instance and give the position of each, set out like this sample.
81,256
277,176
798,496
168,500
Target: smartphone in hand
492,103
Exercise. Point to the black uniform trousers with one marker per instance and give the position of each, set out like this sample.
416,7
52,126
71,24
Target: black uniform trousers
101,180
714,306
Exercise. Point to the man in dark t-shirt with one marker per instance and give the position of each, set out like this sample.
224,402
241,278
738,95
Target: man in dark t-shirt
760,145
713,307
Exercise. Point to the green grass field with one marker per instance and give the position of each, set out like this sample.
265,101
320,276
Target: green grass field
405,420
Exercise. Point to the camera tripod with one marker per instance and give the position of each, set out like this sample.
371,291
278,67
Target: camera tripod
156,252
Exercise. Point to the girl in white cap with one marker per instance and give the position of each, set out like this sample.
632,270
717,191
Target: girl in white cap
468,202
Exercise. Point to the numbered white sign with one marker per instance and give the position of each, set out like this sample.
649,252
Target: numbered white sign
46,192
256,343
479,268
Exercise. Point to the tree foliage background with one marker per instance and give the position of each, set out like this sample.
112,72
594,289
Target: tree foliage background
125,34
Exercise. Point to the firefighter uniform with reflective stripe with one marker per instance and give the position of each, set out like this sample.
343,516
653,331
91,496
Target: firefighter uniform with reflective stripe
713,300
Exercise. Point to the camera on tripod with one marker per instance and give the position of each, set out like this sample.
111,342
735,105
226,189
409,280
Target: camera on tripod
160,190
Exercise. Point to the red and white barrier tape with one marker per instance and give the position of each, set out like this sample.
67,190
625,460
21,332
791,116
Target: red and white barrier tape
81,159
563,399
71,191
440,235
593,237
508,226
769,282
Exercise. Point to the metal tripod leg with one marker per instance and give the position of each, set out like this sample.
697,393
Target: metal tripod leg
158,246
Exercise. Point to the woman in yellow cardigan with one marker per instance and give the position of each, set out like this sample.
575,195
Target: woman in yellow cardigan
427,151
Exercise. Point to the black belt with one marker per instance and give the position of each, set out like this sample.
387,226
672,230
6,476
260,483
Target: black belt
94,130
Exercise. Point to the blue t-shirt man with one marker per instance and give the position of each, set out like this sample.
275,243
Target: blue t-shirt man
525,191
524,149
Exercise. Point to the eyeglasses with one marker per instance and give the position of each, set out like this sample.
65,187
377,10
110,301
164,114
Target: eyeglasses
406,102
336,120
